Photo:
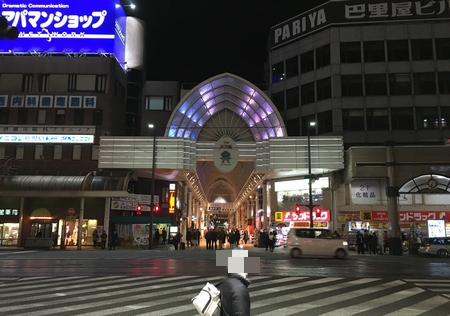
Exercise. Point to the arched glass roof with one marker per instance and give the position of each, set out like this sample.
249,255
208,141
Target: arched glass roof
226,91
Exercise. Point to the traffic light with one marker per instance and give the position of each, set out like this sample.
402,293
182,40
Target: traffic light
139,209
318,212
6,31
297,208
156,208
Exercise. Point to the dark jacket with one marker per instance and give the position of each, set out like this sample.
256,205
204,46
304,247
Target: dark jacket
234,296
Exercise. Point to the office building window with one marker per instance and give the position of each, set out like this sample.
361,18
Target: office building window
158,103
20,149
377,119
350,52
351,85
292,67
57,152
278,100
43,82
11,82
307,93
23,117
277,72
76,152
82,83
445,117
424,83
444,82
292,98
97,118
374,51
322,56
58,83
307,62
325,122
402,119
38,152
42,117
442,48
4,115
27,83
375,84
60,118
400,84
293,127
427,118
353,119
323,88
78,118
421,49
100,83
398,50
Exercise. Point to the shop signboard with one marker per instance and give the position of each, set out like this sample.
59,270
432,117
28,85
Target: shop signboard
436,228
348,216
420,216
302,216
447,229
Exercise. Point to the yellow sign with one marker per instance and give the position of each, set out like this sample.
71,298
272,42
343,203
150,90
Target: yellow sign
366,216
278,216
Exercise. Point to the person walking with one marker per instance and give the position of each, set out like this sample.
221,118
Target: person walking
360,242
208,237
103,238
374,243
245,237
237,237
95,237
55,239
220,234
196,239
271,242
164,236
234,295
385,241
114,238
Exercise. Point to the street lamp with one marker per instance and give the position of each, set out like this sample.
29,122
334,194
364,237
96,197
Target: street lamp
310,205
152,203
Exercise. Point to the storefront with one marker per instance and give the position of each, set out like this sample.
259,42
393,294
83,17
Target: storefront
9,226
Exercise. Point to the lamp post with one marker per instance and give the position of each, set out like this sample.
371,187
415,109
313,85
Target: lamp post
152,192
310,205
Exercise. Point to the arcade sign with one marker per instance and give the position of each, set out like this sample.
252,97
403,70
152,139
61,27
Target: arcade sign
69,27
302,216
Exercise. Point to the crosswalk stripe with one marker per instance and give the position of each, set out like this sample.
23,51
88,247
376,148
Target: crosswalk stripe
420,307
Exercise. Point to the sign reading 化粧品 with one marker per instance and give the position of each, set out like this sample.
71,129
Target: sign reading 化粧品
69,26
351,12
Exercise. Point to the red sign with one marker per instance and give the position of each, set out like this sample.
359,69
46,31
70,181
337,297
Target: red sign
421,216
349,216
380,216
303,216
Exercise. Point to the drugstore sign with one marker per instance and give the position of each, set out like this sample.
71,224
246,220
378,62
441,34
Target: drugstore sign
302,216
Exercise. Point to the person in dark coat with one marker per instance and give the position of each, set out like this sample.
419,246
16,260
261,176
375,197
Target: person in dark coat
360,242
114,238
234,295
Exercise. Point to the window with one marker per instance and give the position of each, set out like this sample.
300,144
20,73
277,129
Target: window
11,82
374,51
277,72
78,118
97,118
58,83
19,151
377,119
4,114
351,85
444,82
398,50
422,49
323,56
307,62
60,117
27,83
323,88
400,84
83,83
445,117
100,83
375,84
42,115
307,93
325,122
427,118
424,83
158,103
43,82
442,48
76,153
351,52
353,119
293,127
23,117
278,100
292,98
38,152
292,67
57,152
402,119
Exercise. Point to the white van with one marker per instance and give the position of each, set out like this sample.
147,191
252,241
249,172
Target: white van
315,242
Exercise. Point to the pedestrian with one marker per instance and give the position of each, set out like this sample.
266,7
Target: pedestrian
336,235
55,239
220,234
245,237
164,236
234,295
177,240
157,237
95,237
385,241
196,239
265,237
231,239
360,242
114,238
103,238
237,237
208,237
188,238
374,243
271,242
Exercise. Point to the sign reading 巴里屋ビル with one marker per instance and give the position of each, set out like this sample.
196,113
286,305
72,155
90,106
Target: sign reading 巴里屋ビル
71,26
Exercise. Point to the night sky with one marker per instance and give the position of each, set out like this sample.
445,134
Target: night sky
193,40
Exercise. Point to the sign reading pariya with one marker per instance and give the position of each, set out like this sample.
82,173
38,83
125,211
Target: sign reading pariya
225,155
69,26
302,216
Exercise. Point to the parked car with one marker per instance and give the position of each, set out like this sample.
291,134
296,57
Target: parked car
315,242
435,246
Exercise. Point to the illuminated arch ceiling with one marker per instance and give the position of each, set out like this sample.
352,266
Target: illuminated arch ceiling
226,91
225,105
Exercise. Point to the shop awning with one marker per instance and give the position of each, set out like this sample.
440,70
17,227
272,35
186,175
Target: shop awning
140,220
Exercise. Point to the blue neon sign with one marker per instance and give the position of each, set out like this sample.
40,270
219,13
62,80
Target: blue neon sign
72,26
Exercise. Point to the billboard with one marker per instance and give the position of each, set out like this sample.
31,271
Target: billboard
69,27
